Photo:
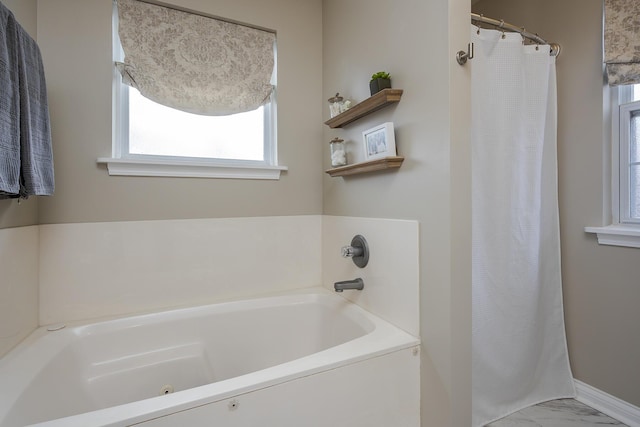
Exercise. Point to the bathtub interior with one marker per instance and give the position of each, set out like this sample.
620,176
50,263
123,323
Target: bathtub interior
115,362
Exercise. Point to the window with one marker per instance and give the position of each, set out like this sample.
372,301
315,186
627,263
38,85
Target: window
625,170
622,66
151,139
162,131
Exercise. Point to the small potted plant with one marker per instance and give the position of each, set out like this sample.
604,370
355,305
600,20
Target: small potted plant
380,80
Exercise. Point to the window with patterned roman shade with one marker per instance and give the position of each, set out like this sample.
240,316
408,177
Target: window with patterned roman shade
194,63
622,41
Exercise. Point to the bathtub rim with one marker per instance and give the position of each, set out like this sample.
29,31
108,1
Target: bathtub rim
385,338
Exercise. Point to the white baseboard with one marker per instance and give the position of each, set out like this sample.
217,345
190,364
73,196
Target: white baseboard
608,404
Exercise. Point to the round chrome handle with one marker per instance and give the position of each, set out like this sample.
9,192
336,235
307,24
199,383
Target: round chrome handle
358,251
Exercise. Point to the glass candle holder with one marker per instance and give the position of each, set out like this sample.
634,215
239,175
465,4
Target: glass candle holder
336,105
338,152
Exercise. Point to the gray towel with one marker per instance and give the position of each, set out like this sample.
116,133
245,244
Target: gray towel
9,105
34,133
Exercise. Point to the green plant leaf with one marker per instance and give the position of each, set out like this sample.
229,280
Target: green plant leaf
380,75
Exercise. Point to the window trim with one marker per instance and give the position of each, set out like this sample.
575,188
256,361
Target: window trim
122,163
189,167
626,109
619,232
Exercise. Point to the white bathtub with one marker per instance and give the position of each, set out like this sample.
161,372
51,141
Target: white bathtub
307,358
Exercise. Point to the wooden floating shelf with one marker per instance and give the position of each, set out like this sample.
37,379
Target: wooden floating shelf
380,100
393,162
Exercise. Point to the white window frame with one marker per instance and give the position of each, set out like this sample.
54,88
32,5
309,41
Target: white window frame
626,109
123,163
623,231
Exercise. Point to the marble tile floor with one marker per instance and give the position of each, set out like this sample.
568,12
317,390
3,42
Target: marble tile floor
557,413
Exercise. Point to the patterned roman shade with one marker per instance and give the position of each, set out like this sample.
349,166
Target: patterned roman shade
622,41
194,63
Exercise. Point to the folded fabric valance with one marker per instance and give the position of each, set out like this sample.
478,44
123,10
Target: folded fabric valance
194,63
622,41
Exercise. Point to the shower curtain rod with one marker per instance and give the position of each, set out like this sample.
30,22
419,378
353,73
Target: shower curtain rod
476,18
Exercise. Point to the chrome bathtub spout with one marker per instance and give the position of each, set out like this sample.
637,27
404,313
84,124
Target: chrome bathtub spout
357,284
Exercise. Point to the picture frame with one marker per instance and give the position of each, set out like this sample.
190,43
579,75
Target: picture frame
379,142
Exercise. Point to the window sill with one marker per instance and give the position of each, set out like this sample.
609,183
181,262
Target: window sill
189,169
617,235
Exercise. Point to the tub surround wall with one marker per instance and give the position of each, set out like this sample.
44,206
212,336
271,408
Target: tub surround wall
18,285
391,277
100,269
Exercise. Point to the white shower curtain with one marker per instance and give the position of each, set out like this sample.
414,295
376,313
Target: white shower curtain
519,346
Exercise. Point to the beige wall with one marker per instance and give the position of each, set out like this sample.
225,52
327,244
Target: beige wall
415,41
601,289
13,214
25,12
75,39
19,284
